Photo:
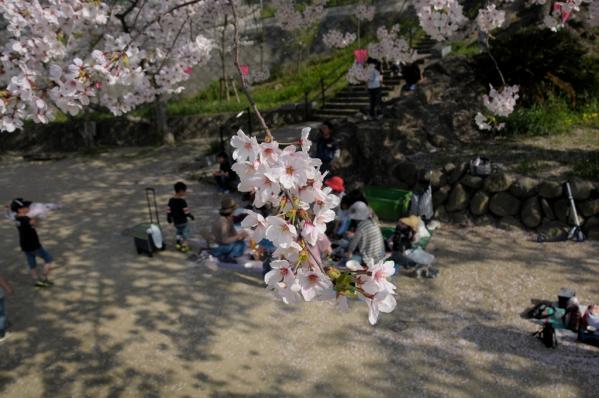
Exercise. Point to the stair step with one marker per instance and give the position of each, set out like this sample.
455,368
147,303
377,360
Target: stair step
340,106
339,112
362,89
326,116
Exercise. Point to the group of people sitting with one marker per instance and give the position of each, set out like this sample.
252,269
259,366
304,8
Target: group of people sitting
586,323
355,229
574,317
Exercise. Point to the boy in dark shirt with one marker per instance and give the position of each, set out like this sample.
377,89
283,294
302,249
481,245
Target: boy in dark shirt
224,175
178,212
30,243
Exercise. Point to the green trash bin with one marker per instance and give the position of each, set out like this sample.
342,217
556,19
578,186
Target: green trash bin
389,204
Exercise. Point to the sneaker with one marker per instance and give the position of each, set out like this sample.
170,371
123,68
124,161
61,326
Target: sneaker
40,283
4,335
48,282
185,249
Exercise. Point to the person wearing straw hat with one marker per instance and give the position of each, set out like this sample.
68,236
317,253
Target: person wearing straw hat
368,238
231,244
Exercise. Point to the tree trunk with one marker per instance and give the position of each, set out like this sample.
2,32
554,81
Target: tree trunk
88,132
168,138
223,56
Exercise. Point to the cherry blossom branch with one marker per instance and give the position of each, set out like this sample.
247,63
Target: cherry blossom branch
244,86
496,65
122,16
157,19
170,50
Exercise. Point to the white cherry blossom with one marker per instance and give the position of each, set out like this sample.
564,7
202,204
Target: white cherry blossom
490,18
280,232
383,301
246,148
336,39
281,271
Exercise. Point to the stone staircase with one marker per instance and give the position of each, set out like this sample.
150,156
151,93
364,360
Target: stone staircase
354,98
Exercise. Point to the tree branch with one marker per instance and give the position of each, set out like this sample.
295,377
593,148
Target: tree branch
122,16
244,86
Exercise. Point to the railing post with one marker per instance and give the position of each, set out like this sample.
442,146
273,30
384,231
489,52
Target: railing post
322,91
222,138
306,115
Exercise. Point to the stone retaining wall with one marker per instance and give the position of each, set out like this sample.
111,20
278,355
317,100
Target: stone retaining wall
507,200
135,131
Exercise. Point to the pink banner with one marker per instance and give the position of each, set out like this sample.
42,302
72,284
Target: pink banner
361,55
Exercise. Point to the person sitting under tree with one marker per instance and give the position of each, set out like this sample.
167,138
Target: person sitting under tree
368,238
589,329
224,175
412,73
231,244
327,148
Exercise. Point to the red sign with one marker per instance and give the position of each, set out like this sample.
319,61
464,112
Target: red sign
361,55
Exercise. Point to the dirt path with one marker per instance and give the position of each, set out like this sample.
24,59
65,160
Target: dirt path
121,325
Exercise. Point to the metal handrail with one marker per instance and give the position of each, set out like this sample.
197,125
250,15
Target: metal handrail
323,90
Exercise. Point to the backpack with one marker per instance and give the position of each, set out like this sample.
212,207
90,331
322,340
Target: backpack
547,335
402,238
541,311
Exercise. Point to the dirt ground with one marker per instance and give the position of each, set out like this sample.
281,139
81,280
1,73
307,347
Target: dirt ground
121,325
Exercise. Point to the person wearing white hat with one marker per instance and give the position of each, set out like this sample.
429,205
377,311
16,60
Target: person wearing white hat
368,238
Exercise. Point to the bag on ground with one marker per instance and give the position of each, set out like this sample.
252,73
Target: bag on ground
422,204
547,335
419,256
480,166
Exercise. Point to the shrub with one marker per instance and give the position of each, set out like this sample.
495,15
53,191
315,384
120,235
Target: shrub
551,117
544,64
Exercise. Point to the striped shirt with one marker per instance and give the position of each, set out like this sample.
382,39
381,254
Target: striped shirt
369,241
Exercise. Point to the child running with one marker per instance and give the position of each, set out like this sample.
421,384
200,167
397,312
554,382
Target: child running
30,243
178,212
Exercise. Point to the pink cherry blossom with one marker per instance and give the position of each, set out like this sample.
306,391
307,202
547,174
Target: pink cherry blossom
377,280
313,283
